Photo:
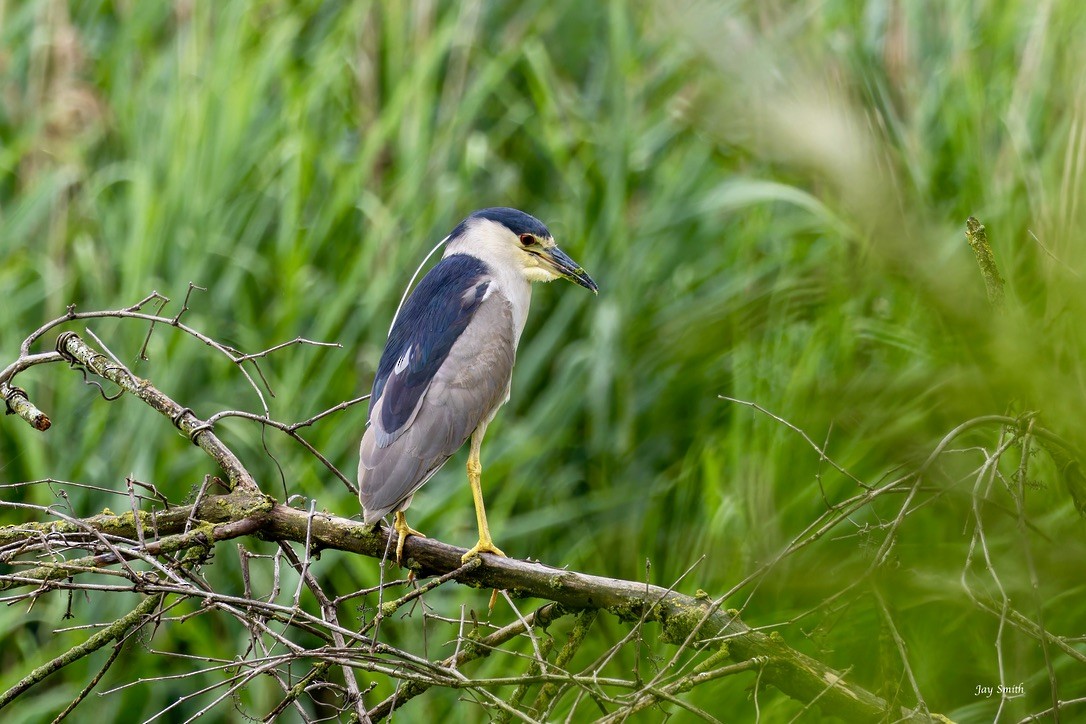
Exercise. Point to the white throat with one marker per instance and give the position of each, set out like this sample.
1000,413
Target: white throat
492,243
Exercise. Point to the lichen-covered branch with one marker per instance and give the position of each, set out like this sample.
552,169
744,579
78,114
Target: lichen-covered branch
794,673
791,671
19,404
204,536
191,531
71,347
114,632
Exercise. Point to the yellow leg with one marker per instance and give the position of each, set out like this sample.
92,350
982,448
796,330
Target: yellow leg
399,524
475,472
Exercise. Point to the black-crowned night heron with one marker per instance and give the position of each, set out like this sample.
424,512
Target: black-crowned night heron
448,361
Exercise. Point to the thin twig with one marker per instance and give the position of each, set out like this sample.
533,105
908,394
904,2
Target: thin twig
136,617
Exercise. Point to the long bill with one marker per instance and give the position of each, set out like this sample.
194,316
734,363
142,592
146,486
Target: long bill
570,269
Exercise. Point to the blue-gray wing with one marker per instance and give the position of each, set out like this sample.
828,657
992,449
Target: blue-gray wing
445,370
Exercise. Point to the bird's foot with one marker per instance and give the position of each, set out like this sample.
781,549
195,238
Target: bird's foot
483,546
403,530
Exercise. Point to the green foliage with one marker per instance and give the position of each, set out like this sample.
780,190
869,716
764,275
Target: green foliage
772,198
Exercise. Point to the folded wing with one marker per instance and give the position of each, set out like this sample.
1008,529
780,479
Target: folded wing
446,368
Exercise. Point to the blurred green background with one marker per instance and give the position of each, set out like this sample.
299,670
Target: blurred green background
772,198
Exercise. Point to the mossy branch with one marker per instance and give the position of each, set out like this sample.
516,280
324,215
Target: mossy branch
78,352
245,511
794,673
114,632
19,404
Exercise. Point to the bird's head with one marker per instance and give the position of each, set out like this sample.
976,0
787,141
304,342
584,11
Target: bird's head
513,240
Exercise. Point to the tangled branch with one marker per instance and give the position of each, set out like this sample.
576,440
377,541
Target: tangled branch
159,551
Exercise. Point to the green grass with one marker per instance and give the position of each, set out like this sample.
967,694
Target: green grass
772,198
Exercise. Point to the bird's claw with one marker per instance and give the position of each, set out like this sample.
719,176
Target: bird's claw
483,546
403,530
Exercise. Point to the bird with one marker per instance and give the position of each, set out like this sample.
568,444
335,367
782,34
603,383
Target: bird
448,361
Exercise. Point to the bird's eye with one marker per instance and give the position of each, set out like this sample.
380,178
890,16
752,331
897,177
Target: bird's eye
527,239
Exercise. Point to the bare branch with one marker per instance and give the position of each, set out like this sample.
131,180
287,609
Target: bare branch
284,345
115,632
160,553
76,350
117,647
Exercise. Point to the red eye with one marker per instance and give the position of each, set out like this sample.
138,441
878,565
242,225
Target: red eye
527,239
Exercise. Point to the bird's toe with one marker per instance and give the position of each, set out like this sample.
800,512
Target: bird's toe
482,547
